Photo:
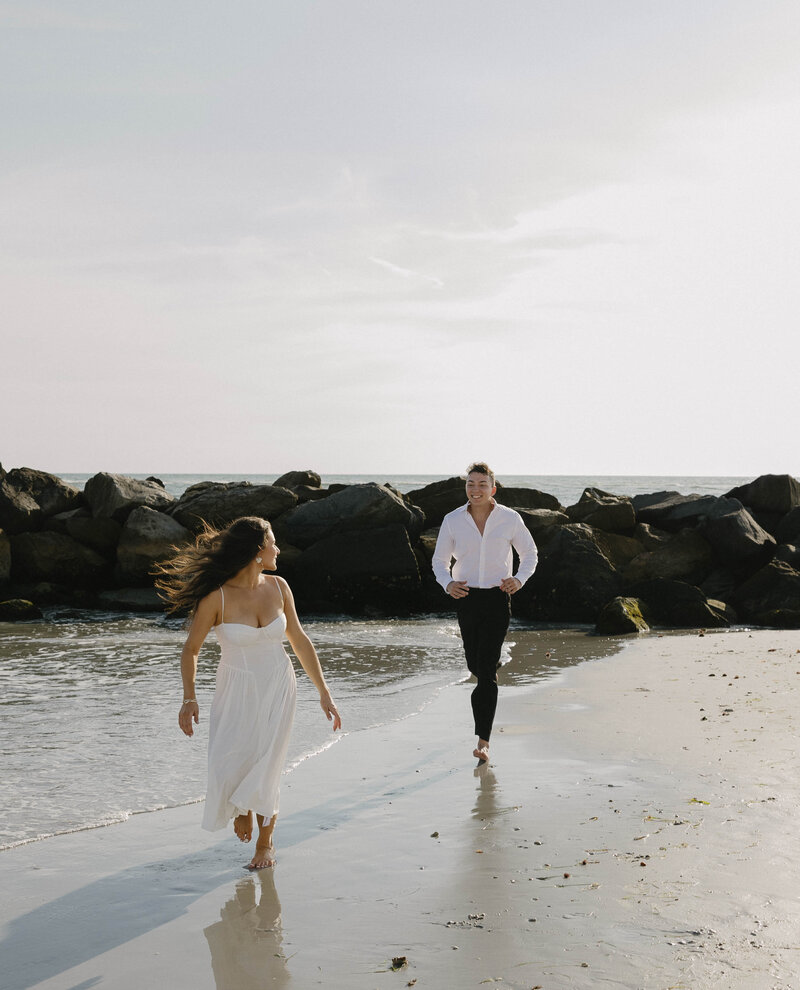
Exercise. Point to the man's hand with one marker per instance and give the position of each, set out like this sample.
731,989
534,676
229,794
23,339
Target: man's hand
510,585
458,589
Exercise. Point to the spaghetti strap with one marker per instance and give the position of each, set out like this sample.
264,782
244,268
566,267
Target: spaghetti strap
277,582
222,596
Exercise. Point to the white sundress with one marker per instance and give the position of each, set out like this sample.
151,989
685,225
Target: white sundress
250,721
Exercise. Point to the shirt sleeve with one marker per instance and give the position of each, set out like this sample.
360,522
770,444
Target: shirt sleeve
523,543
443,554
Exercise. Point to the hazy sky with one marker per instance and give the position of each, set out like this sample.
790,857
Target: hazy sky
398,235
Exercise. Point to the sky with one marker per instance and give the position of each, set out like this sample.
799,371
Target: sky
397,236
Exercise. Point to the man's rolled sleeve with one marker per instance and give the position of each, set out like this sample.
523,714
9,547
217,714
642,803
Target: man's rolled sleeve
442,555
525,546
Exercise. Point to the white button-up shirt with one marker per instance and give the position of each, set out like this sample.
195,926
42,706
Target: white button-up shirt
483,561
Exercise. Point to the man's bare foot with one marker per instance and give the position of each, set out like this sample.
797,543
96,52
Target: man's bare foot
481,751
243,826
263,859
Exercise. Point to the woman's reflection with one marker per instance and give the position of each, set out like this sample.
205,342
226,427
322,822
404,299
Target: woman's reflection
246,943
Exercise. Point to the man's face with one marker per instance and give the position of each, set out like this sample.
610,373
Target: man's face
479,488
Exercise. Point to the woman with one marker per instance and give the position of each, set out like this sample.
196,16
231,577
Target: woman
219,580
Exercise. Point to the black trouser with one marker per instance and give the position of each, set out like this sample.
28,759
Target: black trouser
483,617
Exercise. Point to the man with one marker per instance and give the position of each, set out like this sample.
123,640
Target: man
480,535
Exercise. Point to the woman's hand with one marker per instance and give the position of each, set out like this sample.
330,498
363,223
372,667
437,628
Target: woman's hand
190,711
327,705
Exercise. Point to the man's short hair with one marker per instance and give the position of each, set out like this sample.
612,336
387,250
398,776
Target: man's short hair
480,467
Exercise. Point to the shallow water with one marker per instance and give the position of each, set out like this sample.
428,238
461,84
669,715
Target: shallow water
89,704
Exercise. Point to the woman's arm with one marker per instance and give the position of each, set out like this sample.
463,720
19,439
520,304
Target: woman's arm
204,618
307,655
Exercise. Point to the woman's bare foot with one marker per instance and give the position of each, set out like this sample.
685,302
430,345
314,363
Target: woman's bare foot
481,751
243,826
265,852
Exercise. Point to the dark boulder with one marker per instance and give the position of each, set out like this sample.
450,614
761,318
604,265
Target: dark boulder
573,579
5,558
736,538
621,616
673,512
18,610
602,510
787,552
357,507
131,600
619,549
771,597
678,605
298,479
538,519
115,496
28,496
376,571
788,529
148,537
58,559
686,556
439,498
219,504
771,493
522,498
101,535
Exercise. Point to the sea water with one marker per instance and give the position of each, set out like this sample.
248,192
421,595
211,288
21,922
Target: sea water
89,702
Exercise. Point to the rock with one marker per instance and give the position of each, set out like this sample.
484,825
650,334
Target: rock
672,512
776,493
219,504
27,496
427,541
522,498
538,519
439,498
621,616
132,600
298,479
788,529
5,558
572,581
736,537
677,605
19,511
620,550
101,534
685,557
114,496
148,537
650,537
342,571
787,552
771,597
56,558
602,510
305,493
720,584
18,610
357,507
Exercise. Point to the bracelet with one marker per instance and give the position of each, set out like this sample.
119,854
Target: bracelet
188,701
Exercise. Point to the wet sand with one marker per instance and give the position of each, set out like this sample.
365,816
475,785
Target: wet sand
637,828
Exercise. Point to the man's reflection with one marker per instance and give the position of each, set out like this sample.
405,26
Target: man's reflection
246,943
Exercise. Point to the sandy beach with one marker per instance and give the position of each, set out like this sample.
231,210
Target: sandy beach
637,828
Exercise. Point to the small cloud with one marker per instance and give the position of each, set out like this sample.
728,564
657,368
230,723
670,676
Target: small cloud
406,272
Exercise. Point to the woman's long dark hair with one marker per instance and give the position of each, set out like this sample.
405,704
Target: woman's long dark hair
213,558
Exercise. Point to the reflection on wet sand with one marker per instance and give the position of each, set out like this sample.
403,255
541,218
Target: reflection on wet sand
246,943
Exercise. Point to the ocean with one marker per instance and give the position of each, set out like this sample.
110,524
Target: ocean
89,733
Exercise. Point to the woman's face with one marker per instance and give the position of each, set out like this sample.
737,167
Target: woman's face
269,552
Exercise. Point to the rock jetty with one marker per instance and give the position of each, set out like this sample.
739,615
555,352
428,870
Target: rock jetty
623,564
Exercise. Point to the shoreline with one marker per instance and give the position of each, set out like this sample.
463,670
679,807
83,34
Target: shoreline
601,768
